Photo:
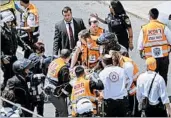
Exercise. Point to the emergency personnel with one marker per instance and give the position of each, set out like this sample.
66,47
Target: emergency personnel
30,26
119,23
90,51
57,83
95,30
132,71
85,87
152,93
154,41
116,83
18,83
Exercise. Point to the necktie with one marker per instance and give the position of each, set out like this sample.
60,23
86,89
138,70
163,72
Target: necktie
71,36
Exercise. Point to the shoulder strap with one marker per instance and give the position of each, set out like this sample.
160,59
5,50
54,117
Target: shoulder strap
151,84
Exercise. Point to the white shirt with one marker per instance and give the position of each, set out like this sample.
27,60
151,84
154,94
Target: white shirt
67,27
140,46
129,69
114,80
158,88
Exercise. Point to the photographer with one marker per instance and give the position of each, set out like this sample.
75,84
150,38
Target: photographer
151,92
38,77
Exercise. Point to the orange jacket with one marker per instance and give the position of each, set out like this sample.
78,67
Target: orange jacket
155,42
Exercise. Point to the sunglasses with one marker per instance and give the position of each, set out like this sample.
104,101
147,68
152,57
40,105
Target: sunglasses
94,21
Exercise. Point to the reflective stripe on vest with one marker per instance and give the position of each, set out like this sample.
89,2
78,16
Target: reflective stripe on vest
159,43
150,53
54,68
155,42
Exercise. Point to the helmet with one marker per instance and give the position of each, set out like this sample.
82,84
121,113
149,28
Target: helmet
7,16
83,106
151,63
34,58
20,65
106,38
39,46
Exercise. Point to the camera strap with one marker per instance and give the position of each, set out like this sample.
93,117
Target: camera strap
151,85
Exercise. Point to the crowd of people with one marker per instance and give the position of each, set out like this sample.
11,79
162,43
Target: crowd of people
90,71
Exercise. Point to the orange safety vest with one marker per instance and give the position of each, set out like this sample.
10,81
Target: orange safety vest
81,88
91,55
54,68
99,32
155,43
33,10
124,59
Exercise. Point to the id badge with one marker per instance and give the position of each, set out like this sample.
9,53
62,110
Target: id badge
157,52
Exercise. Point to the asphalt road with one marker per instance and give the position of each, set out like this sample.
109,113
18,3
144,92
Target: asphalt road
50,13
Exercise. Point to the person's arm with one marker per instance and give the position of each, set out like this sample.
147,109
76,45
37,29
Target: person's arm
128,25
167,32
163,95
82,25
57,40
18,8
138,91
140,44
128,68
74,57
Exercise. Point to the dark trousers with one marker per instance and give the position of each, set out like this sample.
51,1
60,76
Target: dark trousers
155,111
60,104
7,70
40,107
133,105
163,66
116,108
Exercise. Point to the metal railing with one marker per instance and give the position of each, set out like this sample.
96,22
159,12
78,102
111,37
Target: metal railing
20,107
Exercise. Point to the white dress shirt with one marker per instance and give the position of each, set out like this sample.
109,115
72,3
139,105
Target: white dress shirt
158,88
114,80
67,27
140,46
129,69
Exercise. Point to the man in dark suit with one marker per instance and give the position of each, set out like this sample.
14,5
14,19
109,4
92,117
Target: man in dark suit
66,31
